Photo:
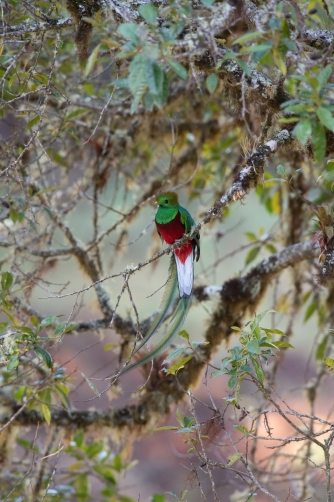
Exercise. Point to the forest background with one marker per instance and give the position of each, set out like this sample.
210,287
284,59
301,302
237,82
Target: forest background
104,104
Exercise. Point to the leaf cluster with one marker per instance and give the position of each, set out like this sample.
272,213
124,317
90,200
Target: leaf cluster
256,345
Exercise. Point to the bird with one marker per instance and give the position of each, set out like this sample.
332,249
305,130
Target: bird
172,222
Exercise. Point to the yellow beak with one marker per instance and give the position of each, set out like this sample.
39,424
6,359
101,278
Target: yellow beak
156,202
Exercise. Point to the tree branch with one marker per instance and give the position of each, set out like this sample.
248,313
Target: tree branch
20,30
237,296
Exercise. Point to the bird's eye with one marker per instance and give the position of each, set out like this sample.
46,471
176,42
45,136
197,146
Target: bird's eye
166,201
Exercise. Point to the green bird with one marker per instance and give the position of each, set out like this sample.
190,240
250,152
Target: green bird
172,222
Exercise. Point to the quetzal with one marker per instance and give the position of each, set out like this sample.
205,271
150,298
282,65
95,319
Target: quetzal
172,222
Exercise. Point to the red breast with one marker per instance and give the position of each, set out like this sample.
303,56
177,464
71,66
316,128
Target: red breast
172,231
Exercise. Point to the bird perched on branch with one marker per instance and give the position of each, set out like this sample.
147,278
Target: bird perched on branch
172,222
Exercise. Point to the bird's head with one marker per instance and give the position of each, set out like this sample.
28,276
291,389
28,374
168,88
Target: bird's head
167,199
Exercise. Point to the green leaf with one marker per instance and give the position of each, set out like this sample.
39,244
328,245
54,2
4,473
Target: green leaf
105,472
48,189
246,368
233,459
64,327
9,315
48,320
274,331
13,215
259,317
56,157
91,385
158,498
121,82
125,498
251,236
270,248
118,463
252,254
83,488
154,76
248,36
3,326
264,47
91,61
27,330
281,170
166,428
245,68
310,311
177,68
149,100
174,354
321,349
230,400
32,122
253,347
324,75
198,344
280,62
329,362
187,429
137,79
109,346
303,130
211,83
42,79
44,356
258,370
74,114
129,32
207,3
179,417
178,365
161,98
188,421
94,449
223,368
242,428
326,118
288,120
283,344
20,393
6,280
232,381
46,412
13,362
149,12
269,344
319,142
24,443
184,334
63,396
173,494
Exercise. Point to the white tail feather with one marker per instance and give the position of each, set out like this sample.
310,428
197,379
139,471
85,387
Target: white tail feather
185,275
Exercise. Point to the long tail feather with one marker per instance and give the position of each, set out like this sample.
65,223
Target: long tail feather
169,296
185,275
173,328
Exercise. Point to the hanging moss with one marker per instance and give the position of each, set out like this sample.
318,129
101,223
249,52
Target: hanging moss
80,10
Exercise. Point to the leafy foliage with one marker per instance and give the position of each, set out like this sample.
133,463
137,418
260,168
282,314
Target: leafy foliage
104,104
256,346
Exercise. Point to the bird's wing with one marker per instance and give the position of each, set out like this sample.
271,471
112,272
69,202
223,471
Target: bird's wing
186,219
188,223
